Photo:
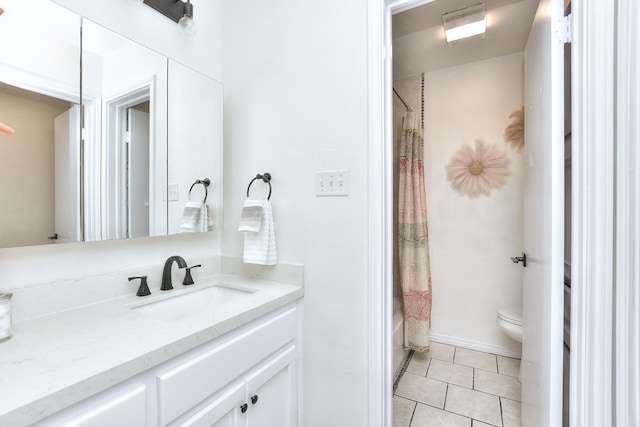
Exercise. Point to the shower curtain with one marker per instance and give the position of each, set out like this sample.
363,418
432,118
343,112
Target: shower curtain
413,242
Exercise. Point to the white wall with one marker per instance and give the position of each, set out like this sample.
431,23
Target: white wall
196,119
471,239
295,76
30,265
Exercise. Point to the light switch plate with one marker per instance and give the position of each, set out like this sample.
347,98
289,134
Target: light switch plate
332,183
172,194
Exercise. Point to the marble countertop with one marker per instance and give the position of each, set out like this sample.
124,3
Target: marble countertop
57,360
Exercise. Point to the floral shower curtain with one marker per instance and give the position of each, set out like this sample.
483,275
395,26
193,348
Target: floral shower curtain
413,244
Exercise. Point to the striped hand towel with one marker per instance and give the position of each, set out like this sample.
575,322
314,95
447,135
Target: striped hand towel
191,217
206,219
260,247
251,217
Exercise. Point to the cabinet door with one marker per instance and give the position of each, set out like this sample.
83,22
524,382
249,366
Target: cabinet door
222,411
272,392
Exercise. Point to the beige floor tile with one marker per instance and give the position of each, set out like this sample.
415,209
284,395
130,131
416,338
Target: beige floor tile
477,423
451,373
500,385
419,363
421,389
441,351
476,359
508,366
402,411
427,416
510,413
473,404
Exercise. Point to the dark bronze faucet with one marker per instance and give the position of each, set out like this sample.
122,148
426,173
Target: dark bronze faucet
166,271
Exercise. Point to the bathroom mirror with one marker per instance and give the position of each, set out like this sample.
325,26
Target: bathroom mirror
151,128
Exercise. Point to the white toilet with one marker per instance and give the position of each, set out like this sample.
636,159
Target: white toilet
510,320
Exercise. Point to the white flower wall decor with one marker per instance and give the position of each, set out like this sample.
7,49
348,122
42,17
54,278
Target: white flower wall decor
514,133
478,171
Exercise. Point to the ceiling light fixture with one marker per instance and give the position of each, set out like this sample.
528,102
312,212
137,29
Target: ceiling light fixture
466,23
176,10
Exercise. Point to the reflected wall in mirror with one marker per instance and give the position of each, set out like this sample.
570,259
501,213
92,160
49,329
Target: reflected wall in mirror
148,124
195,148
39,97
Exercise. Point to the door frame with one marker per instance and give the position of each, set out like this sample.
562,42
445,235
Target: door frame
380,275
592,214
593,222
114,157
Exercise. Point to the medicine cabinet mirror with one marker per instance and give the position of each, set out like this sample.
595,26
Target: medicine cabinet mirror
118,164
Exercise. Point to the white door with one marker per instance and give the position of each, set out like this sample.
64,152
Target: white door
138,173
67,176
542,344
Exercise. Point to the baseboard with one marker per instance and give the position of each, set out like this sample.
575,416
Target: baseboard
475,345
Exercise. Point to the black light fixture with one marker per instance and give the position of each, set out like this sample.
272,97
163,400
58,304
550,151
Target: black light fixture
176,10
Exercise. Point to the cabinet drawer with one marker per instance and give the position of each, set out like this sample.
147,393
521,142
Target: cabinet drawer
205,371
127,410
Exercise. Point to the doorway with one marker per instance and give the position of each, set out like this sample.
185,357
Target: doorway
126,161
546,120
468,94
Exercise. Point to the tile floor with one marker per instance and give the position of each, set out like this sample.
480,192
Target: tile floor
453,386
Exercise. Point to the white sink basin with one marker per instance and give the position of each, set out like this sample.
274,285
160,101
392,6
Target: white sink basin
189,303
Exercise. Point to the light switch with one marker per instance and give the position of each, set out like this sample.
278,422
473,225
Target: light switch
172,193
332,183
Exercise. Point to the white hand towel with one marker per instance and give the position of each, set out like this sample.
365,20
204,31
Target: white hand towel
251,217
260,247
191,217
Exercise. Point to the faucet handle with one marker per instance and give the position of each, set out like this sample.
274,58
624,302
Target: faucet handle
143,290
188,280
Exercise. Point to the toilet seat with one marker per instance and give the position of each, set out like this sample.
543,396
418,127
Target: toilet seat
511,315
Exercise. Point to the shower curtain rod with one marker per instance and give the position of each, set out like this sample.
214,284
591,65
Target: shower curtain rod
402,100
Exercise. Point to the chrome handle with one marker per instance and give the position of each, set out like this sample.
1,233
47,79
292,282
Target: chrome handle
522,259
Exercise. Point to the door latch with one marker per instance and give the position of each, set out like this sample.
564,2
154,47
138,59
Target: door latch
522,259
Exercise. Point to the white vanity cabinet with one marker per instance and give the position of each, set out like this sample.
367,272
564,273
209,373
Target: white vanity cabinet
264,397
261,360
247,377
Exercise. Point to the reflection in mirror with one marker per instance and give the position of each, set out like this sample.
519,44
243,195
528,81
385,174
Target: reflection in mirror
156,128
125,95
142,116
39,94
194,149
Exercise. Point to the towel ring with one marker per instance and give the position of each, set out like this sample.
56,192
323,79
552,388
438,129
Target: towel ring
266,177
205,183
